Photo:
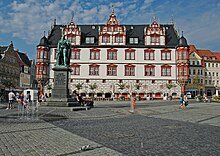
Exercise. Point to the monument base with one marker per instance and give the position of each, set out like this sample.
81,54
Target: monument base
64,102
60,93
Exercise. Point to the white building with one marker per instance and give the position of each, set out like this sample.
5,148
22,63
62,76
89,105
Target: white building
117,59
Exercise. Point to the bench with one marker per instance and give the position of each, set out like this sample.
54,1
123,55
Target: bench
80,108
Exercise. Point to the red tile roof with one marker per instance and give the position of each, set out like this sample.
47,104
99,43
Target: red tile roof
192,48
209,55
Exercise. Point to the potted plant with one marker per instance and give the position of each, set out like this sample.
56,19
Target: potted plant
121,86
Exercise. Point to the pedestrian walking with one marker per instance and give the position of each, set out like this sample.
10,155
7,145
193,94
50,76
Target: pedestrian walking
11,97
185,102
28,97
43,97
181,101
133,103
21,105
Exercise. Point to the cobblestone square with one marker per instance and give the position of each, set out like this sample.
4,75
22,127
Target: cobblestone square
155,128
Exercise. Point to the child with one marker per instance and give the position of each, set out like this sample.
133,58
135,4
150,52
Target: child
181,102
133,104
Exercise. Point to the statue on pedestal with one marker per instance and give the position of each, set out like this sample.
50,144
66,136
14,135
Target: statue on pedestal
63,52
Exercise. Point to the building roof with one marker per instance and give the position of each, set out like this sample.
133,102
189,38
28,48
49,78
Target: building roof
171,37
192,48
208,54
23,59
217,54
2,51
182,42
43,41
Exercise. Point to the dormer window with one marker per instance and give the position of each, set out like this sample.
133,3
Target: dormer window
119,39
205,57
213,58
154,39
72,39
90,40
133,40
106,39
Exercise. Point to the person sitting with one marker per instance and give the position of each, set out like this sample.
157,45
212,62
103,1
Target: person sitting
205,99
80,100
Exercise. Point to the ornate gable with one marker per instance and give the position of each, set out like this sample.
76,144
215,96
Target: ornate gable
112,33
154,34
73,33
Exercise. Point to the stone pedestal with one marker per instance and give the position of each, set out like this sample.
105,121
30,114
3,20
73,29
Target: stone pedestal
61,80
60,91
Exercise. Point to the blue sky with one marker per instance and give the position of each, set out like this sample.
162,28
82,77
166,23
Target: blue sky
24,21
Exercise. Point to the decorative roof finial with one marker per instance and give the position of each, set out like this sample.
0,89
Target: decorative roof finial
67,24
154,17
62,32
113,10
182,33
71,21
172,22
178,30
44,33
54,22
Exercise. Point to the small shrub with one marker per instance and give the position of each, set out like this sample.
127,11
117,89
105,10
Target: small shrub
138,98
122,98
216,98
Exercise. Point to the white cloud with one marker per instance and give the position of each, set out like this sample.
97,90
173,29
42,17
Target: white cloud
28,19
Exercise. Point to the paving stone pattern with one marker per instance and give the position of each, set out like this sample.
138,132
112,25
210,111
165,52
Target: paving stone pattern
155,128
138,135
40,138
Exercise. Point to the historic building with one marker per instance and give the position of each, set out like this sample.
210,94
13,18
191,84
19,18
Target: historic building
25,69
9,68
33,81
15,70
112,59
204,72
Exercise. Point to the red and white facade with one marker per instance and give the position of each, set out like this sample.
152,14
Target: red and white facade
144,64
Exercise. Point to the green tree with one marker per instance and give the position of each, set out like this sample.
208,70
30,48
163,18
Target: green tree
79,86
93,87
138,86
170,86
121,86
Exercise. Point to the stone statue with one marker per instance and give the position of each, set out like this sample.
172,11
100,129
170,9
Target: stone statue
63,52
